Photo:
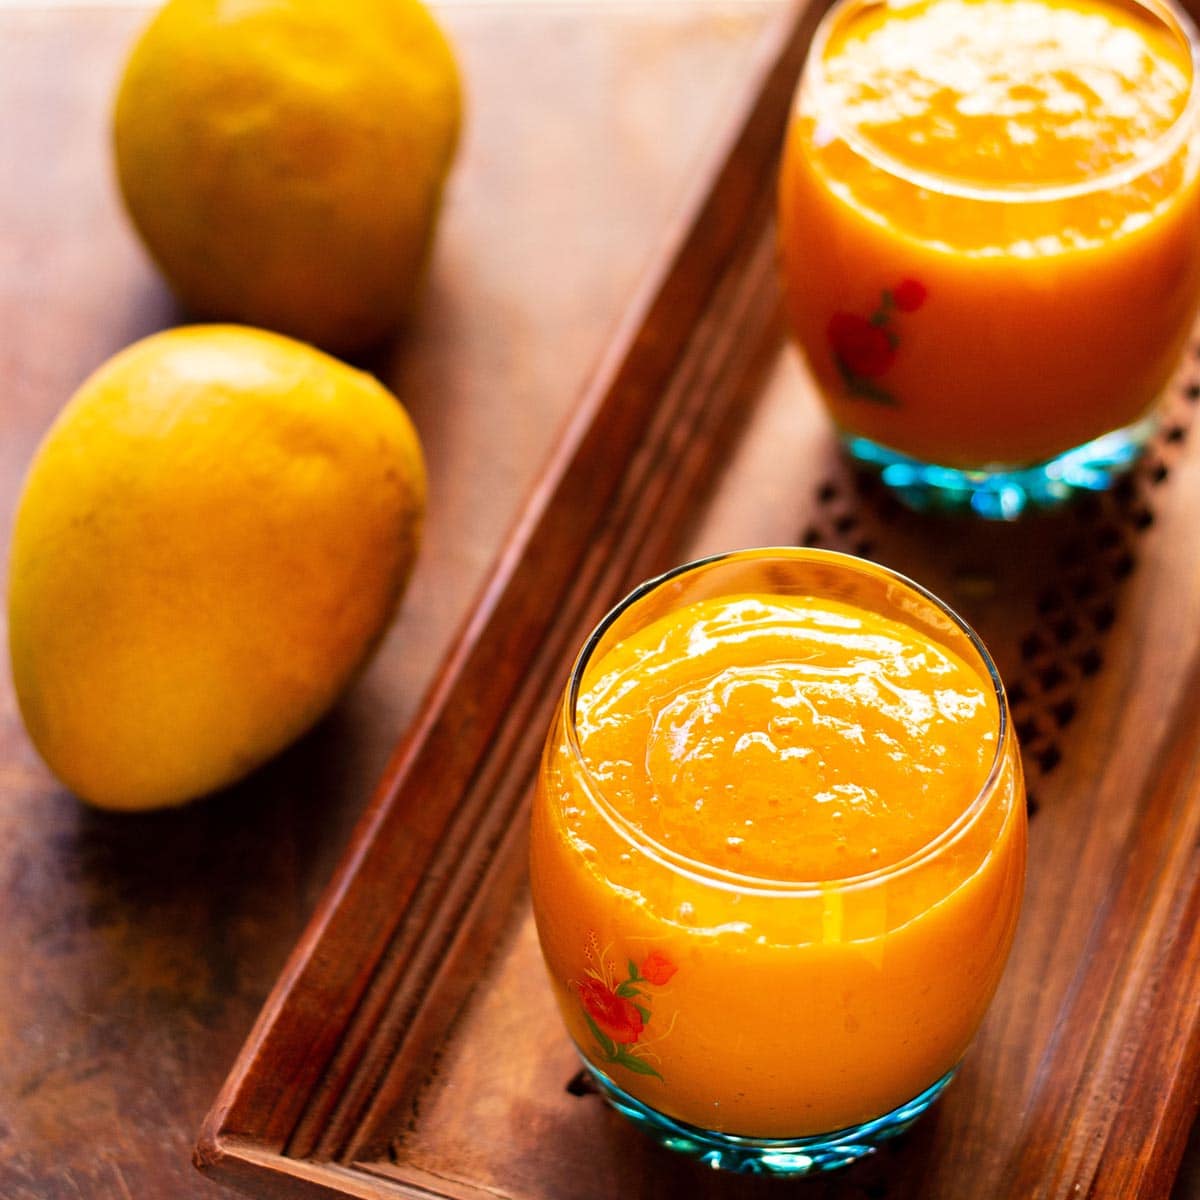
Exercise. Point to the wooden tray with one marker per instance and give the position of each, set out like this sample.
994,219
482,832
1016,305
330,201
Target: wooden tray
411,1047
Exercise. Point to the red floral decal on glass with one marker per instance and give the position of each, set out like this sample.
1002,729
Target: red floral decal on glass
617,1011
909,295
657,968
864,348
617,1016
860,347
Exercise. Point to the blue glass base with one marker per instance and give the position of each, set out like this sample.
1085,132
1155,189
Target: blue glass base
1004,493
787,1157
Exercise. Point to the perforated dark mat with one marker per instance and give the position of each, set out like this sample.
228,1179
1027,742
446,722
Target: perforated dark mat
1044,592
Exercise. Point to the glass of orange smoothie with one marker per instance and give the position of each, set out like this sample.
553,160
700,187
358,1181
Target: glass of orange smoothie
777,855
990,237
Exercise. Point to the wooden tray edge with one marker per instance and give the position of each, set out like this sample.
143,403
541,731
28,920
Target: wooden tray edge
248,1126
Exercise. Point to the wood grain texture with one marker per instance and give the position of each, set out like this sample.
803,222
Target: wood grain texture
453,1077
138,951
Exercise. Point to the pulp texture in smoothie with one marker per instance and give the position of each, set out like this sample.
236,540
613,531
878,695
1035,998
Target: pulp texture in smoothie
989,217
735,867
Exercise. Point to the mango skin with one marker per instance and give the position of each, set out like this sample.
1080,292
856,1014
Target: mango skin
211,539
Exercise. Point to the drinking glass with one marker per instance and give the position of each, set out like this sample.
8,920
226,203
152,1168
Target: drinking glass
760,1021
992,293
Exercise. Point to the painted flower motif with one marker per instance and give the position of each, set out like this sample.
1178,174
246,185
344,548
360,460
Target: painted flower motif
909,295
864,348
860,347
616,1015
617,1011
657,968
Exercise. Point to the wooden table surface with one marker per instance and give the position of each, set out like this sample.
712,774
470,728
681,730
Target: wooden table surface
136,951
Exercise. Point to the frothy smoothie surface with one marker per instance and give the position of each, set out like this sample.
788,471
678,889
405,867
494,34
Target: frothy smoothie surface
787,738
1025,92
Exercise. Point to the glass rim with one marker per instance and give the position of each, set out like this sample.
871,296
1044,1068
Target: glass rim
1162,148
728,880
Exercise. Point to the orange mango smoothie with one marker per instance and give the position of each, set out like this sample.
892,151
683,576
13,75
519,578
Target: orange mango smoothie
990,221
777,856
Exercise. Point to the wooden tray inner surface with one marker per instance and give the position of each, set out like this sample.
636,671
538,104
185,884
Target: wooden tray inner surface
1092,615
